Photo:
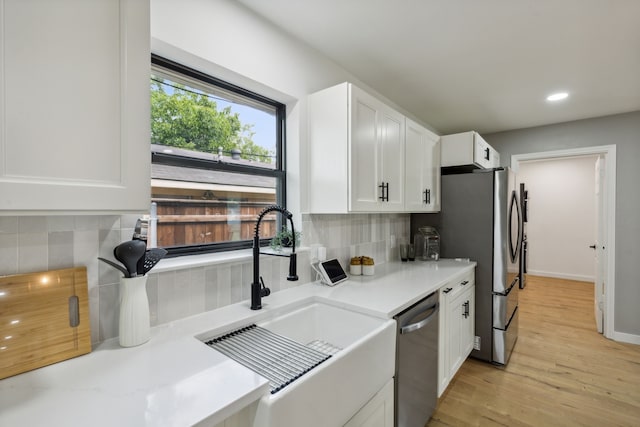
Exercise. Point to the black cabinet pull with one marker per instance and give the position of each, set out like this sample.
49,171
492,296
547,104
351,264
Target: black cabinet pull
466,309
427,196
383,187
486,154
465,283
447,290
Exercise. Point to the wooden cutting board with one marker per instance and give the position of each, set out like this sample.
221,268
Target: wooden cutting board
44,319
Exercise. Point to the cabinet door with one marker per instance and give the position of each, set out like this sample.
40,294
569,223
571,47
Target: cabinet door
378,412
392,146
75,105
467,334
422,169
364,152
454,323
481,151
443,340
376,178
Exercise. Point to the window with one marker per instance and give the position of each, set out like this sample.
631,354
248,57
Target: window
216,160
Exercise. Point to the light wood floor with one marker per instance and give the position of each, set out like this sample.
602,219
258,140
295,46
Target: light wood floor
561,373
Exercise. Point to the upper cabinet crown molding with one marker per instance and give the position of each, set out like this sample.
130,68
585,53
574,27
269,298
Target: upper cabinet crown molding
74,110
357,157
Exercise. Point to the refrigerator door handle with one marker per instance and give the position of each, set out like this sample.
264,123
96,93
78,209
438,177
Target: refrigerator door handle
514,209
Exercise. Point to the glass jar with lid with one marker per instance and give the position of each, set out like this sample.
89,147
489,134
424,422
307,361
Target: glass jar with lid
427,242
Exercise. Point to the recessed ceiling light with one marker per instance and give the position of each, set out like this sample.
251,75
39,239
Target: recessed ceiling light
557,96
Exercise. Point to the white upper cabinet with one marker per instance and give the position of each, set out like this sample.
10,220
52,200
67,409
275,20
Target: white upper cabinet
422,169
74,106
377,155
468,148
356,147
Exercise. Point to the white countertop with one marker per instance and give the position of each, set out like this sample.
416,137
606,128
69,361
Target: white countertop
174,379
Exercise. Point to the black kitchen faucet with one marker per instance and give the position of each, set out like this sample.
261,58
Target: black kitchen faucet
258,289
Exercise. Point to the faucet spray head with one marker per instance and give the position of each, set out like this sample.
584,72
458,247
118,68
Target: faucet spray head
293,274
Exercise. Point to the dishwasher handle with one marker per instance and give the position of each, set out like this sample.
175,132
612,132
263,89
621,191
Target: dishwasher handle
421,324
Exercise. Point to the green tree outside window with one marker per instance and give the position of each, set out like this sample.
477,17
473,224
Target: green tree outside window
191,120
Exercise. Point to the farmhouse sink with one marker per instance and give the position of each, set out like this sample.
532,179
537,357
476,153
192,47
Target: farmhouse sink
358,360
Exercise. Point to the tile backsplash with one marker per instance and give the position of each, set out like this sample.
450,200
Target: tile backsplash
38,243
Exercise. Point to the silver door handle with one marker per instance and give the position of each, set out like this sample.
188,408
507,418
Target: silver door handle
421,324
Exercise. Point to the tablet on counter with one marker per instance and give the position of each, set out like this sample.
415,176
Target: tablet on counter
332,272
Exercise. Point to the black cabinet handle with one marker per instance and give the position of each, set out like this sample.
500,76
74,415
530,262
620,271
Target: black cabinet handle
427,196
447,290
465,314
486,154
465,283
383,187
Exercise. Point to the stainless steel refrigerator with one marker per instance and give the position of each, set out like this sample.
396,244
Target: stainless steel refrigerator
481,219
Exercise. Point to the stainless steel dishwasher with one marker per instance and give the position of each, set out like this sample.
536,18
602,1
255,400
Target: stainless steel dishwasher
416,385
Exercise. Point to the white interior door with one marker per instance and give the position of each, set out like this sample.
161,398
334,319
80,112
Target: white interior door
600,249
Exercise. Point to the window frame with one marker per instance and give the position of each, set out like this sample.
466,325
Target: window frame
279,172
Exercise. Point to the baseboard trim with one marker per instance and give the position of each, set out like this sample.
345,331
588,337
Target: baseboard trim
555,275
624,337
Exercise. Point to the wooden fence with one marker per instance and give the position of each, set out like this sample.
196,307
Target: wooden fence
194,222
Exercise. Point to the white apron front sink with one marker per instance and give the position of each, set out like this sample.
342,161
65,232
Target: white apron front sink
362,361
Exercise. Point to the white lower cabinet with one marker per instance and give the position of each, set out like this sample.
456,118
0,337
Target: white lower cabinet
457,327
378,412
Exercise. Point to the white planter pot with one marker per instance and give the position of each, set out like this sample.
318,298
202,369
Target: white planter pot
134,311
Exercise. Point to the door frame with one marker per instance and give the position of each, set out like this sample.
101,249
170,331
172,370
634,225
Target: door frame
609,154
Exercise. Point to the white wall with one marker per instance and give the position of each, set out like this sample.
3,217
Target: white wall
562,217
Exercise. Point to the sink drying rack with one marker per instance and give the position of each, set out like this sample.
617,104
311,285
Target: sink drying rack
277,358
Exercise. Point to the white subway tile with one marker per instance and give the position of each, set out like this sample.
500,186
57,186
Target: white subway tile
211,288
32,252
8,254
32,224
60,223
109,300
224,285
8,224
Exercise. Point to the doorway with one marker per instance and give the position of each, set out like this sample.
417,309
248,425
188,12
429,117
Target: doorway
605,219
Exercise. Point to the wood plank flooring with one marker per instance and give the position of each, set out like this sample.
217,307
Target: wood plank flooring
561,373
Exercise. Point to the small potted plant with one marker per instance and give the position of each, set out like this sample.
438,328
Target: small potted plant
284,239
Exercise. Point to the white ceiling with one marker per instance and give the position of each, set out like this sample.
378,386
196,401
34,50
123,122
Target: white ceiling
485,65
